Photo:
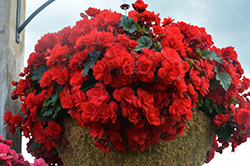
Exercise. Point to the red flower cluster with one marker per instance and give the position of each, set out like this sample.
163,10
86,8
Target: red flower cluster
131,80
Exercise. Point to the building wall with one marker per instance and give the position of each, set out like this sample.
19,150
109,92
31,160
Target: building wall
11,63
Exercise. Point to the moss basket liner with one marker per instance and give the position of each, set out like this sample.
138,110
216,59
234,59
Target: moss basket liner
186,150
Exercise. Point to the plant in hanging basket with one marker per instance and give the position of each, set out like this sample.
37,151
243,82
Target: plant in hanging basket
131,84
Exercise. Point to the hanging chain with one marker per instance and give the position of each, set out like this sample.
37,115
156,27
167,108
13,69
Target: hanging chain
125,7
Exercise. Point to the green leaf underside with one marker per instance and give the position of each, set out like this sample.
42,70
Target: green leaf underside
127,23
36,74
143,42
225,80
209,54
224,132
90,61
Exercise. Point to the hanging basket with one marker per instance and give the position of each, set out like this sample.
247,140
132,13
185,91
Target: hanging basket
188,149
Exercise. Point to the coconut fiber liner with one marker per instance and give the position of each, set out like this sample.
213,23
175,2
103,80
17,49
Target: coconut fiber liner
188,149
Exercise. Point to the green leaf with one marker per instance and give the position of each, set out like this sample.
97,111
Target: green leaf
127,23
157,46
21,113
209,104
225,79
143,42
211,55
62,114
40,118
224,132
191,62
58,108
46,102
234,99
51,100
36,74
2,163
68,56
89,84
198,50
200,101
145,29
31,89
50,111
34,146
216,70
241,132
90,61
214,84
220,109
209,107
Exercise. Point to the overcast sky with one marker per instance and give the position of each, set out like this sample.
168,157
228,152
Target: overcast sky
228,21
